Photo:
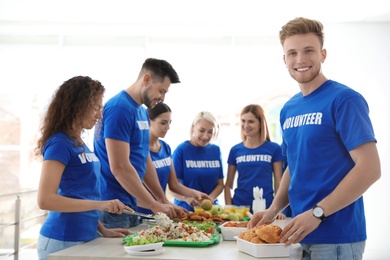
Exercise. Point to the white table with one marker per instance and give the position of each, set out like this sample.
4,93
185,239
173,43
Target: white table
112,248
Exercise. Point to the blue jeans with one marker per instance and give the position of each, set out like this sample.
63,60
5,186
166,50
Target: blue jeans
348,251
47,246
110,220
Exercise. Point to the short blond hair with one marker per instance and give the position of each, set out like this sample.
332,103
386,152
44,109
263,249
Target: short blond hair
210,118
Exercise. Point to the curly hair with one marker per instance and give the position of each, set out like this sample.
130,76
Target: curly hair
68,105
258,112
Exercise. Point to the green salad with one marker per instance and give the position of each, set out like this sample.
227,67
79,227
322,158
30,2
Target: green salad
205,226
184,231
133,240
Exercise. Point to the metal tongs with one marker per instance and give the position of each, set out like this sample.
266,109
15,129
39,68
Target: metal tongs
152,216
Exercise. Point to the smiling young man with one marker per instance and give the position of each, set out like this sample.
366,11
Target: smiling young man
122,145
331,149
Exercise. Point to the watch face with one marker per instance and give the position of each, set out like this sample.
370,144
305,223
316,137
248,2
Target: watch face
317,211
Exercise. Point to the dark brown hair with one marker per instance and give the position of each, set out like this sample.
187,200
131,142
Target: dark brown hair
68,105
159,69
158,109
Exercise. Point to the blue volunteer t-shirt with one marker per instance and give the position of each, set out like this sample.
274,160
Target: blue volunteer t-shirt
80,180
319,130
123,120
198,168
254,168
162,163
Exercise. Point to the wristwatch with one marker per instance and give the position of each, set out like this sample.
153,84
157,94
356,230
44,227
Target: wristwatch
318,212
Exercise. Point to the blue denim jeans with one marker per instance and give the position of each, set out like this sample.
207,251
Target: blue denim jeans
348,251
110,220
47,246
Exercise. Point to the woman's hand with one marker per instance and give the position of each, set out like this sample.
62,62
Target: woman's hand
114,206
112,232
115,232
196,198
192,201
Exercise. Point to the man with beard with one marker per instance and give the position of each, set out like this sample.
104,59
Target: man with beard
122,144
331,151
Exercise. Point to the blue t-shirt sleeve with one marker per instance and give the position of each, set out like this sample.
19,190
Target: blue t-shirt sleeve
232,157
353,123
278,156
57,149
168,147
221,175
177,158
118,123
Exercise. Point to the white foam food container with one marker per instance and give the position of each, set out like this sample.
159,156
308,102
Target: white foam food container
263,250
228,233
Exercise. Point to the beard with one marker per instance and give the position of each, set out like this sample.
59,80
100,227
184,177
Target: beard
147,100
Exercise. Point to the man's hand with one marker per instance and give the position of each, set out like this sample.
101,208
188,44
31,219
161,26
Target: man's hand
299,227
171,210
180,211
261,217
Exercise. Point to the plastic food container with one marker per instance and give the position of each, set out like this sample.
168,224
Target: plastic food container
148,249
228,233
263,250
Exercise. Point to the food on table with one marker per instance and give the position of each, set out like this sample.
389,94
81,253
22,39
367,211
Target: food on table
198,209
204,216
162,219
269,233
208,227
236,224
231,229
167,229
132,240
216,210
233,216
217,213
206,204
242,210
264,234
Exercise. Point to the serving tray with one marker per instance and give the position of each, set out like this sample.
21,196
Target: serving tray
215,238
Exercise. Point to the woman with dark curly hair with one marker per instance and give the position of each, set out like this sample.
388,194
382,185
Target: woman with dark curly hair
69,184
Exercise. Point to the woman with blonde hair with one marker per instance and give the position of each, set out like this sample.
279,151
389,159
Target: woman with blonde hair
160,120
198,162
